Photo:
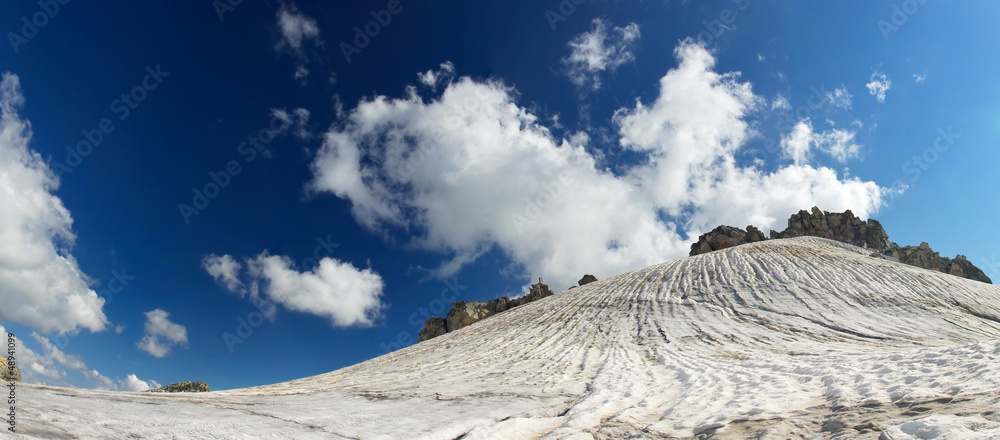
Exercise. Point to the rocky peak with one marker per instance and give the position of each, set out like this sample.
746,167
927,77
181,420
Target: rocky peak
844,227
587,279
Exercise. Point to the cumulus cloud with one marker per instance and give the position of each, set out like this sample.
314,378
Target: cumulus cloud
334,290
133,383
838,144
224,270
471,171
161,334
878,85
296,28
41,285
598,51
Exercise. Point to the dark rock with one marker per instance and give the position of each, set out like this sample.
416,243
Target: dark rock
587,279
844,227
466,313
847,228
434,326
724,237
925,257
183,387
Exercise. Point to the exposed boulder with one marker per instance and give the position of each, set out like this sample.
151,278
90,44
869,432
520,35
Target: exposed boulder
724,237
8,374
183,387
465,313
587,279
434,326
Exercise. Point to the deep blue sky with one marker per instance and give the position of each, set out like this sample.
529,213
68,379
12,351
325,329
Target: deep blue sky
225,77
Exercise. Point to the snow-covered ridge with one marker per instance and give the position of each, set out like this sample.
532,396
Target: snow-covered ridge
775,339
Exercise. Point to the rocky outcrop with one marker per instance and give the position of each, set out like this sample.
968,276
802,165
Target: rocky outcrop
844,227
8,374
587,279
466,313
183,387
725,237
434,326
923,256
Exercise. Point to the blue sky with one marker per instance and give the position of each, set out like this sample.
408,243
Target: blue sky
456,152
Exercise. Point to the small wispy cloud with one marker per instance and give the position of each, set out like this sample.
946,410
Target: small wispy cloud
878,85
602,49
918,78
161,334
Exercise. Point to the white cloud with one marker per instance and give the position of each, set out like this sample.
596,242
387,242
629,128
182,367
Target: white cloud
839,98
301,73
919,79
119,329
839,144
161,334
780,103
878,86
132,383
224,270
41,285
471,170
297,120
432,78
296,28
50,367
334,290
598,50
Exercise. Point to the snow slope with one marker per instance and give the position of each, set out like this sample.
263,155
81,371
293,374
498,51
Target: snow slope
801,337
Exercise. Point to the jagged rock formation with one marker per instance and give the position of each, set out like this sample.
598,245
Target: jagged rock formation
183,387
465,313
8,374
587,279
844,227
923,256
